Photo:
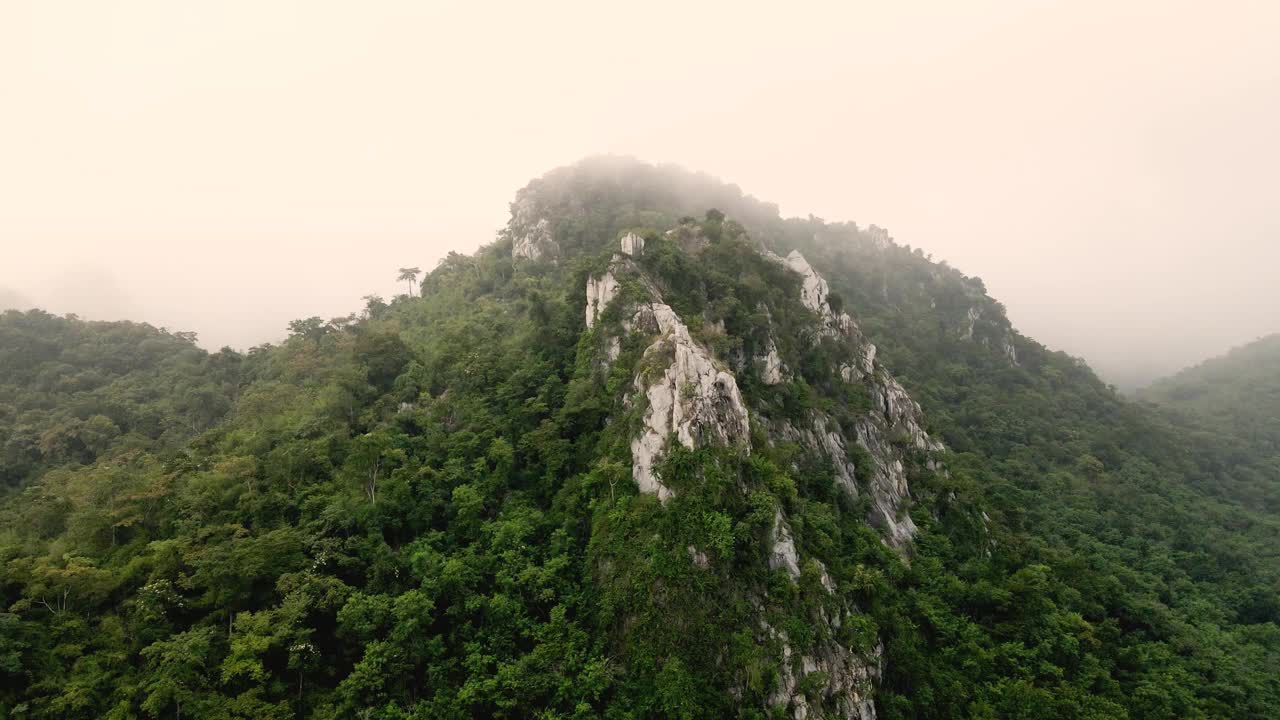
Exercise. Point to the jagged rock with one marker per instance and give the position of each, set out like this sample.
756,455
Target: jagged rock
879,237
530,234
894,414
824,578
600,292
822,433
692,397
971,320
632,244
903,414
782,548
771,365
850,678
1010,351
1004,346
814,294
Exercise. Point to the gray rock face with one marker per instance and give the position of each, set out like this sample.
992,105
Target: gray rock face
782,550
971,320
699,558
851,680
1010,351
894,414
850,676
530,234
600,292
814,293
879,237
1005,343
822,434
693,397
771,365
632,244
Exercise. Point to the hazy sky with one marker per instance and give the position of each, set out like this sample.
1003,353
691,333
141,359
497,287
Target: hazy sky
1111,169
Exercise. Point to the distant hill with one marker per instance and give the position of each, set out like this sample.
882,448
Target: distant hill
1236,395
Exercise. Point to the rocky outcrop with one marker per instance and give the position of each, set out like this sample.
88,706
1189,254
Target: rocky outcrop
689,397
998,328
823,434
771,365
530,234
1009,351
600,292
699,558
878,237
686,392
632,245
971,321
850,680
815,294
847,677
782,547
894,415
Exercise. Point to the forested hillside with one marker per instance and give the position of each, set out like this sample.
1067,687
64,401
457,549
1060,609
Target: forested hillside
654,452
1236,396
71,390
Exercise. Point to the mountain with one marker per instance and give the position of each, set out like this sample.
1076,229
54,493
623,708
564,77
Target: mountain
655,452
1236,396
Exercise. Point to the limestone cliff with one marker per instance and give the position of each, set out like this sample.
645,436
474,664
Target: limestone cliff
893,414
530,231
685,394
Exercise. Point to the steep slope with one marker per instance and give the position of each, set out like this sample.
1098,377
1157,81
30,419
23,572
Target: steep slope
656,452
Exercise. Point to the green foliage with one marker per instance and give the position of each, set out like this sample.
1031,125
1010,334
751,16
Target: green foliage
70,390
1230,408
427,512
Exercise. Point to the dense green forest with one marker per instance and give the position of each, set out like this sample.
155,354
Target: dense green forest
432,509
1235,397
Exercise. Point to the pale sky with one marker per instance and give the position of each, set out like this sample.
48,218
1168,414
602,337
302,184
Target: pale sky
1110,169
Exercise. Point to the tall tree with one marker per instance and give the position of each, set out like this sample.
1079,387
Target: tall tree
410,275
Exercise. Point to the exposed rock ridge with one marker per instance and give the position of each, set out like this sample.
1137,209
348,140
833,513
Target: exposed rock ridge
772,370
692,396
782,547
998,335
530,232
893,414
600,292
849,676
815,294
686,391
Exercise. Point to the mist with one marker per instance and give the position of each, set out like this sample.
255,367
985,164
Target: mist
1110,171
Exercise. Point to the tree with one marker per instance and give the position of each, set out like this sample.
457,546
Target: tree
312,328
410,275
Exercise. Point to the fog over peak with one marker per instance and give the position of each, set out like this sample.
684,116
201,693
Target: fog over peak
1109,171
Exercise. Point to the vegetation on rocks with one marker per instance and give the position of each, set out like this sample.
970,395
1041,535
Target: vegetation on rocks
427,511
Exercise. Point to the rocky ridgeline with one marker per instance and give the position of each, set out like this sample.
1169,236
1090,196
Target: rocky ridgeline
894,414
691,397
530,232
